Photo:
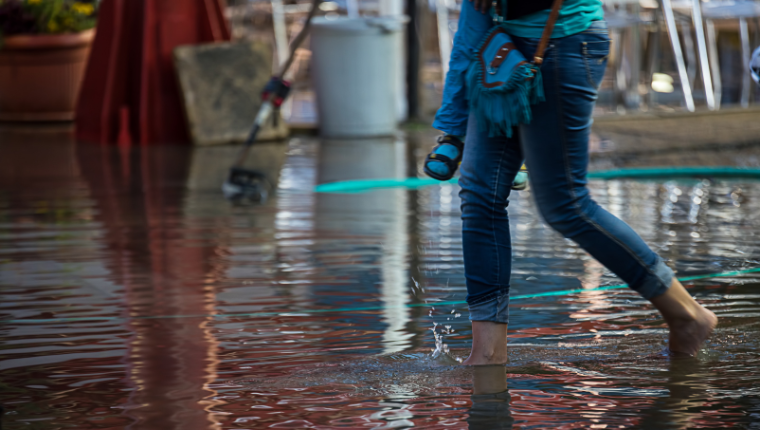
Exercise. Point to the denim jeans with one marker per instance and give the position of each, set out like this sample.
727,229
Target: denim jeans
554,146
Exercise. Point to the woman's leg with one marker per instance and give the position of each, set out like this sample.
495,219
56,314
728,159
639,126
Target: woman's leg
489,166
555,145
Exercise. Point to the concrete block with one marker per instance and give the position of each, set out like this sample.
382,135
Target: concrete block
221,85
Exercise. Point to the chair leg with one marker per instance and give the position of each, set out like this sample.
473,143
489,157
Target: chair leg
691,57
712,50
620,78
653,46
704,64
670,21
746,79
634,98
352,8
280,31
444,40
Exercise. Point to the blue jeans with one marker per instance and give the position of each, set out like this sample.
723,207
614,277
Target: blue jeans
554,147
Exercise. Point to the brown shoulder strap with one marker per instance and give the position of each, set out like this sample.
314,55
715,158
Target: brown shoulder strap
538,57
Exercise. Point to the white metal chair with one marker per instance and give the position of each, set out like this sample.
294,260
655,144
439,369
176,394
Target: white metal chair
624,17
447,28
621,16
743,11
706,13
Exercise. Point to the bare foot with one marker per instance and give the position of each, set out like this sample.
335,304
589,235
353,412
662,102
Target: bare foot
687,337
484,360
489,344
689,322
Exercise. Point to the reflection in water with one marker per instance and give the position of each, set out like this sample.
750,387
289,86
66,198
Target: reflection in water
687,393
490,399
132,295
358,215
169,362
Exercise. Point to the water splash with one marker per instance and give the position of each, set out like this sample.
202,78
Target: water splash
417,289
441,351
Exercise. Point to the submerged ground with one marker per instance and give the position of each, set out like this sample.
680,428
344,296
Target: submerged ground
133,295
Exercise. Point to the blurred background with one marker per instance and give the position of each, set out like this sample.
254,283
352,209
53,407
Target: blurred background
135,294
667,56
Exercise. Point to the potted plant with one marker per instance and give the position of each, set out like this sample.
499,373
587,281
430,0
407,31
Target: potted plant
44,45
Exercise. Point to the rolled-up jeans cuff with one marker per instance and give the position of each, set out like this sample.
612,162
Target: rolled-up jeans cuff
657,282
494,308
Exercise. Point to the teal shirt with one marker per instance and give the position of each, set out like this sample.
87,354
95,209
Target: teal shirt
574,17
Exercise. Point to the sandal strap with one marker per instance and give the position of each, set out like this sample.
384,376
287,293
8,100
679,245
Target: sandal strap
448,139
451,164
440,157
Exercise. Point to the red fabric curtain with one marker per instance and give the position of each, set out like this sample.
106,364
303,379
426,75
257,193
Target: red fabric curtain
130,92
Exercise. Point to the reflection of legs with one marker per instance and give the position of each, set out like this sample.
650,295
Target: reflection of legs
489,379
489,166
687,381
490,399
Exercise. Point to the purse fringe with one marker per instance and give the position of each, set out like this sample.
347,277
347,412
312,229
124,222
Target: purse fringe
508,105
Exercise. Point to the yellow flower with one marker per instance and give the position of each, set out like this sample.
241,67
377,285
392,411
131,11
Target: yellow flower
82,8
52,26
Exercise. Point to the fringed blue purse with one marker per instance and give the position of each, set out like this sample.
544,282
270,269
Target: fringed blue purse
502,84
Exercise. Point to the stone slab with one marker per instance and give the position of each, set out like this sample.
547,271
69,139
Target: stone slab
221,85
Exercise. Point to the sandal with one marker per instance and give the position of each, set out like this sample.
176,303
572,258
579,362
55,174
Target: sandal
443,161
521,180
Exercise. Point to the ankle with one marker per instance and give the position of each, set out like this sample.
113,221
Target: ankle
677,306
479,357
489,343
490,355
682,319
685,314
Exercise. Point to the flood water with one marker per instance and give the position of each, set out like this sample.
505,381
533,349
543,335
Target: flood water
133,296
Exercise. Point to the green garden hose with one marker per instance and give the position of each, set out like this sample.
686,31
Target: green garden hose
720,172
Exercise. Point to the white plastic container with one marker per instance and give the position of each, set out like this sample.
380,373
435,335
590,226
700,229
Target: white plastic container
356,70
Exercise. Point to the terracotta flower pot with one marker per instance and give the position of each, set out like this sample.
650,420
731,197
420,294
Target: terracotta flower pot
40,75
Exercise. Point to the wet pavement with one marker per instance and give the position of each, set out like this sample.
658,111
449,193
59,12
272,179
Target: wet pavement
134,296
